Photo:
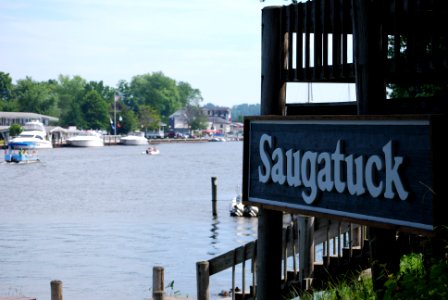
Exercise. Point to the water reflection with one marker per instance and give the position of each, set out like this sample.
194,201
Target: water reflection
245,231
214,241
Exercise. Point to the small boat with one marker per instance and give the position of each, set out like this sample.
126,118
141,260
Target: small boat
134,139
33,136
21,156
238,209
152,151
88,138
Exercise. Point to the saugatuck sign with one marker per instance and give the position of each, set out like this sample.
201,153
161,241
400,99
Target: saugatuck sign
373,170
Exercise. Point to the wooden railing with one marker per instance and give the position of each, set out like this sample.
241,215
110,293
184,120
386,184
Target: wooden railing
335,238
319,40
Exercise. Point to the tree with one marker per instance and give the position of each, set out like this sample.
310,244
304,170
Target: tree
189,95
70,92
5,91
413,90
38,97
15,129
129,122
242,110
104,91
196,119
157,91
148,118
95,111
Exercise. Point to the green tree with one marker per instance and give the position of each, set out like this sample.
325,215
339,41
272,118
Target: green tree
32,96
126,96
189,95
149,118
420,89
15,129
242,110
95,111
6,88
157,91
196,119
129,122
104,91
70,92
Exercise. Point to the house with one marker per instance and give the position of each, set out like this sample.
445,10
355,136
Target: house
218,121
178,122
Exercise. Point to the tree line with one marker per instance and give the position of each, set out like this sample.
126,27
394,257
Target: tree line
141,104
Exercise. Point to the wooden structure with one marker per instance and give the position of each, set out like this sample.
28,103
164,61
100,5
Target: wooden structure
401,42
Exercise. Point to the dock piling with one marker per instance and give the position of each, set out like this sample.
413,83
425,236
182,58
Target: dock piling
56,290
214,196
158,283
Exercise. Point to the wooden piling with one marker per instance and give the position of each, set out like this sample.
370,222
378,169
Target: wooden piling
158,283
214,196
202,280
56,290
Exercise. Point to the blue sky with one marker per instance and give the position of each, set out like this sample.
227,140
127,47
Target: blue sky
212,44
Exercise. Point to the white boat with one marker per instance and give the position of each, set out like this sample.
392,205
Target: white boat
238,209
152,151
134,139
33,136
86,139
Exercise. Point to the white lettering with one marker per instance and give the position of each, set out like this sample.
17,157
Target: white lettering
392,176
264,172
328,172
309,176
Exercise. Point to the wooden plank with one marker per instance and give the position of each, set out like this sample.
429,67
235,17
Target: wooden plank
228,259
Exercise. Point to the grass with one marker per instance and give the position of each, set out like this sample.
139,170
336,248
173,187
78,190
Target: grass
413,281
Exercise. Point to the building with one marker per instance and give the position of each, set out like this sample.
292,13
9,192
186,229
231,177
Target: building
218,121
8,118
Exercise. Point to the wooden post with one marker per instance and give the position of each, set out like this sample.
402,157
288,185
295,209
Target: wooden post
214,196
273,100
56,290
158,283
370,58
202,280
306,249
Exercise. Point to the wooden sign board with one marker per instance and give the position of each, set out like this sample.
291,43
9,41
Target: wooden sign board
374,170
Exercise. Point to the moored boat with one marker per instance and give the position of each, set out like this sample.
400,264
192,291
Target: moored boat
238,209
33,136
134,139
86,139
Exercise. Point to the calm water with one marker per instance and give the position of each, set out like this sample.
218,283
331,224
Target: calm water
99,219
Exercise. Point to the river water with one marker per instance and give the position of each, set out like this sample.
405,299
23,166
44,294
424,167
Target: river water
99,220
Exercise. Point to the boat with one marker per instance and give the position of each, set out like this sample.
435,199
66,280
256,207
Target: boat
217,139
21,156
152,151
134,139
88,138
238,209
33,136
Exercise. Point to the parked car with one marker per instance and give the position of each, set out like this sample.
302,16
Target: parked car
176,135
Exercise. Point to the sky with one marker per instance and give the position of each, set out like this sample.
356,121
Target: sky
215,46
